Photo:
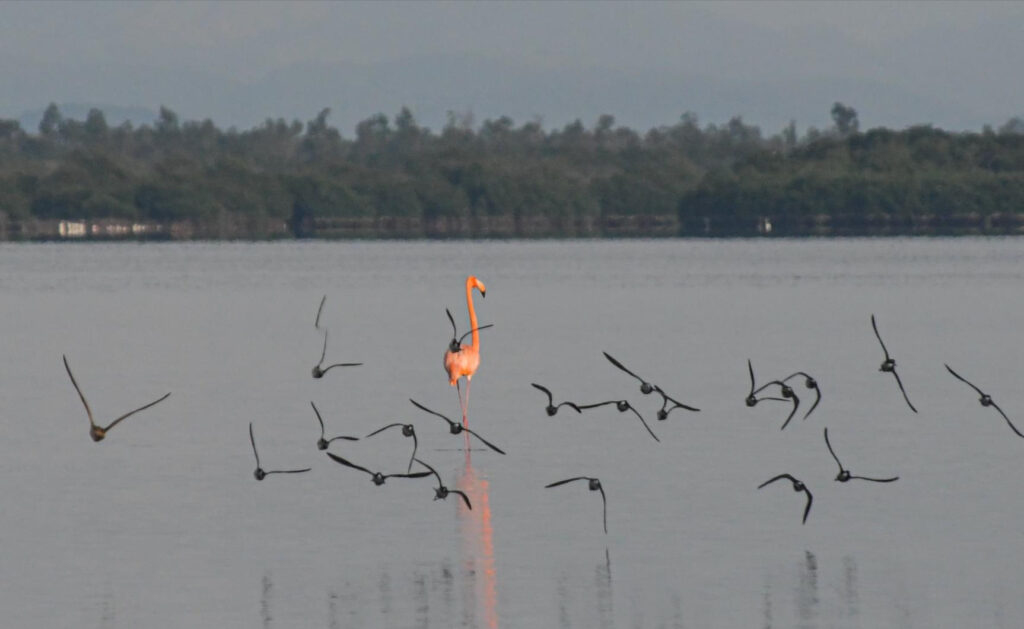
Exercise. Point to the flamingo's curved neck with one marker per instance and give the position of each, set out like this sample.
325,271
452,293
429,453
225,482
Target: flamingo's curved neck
472,313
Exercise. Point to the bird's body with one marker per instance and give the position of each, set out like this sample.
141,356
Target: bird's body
318,369
456,428
98,433
323,442
552,408
666,409
260,473
798,486
889,364
844,474
810,383
378,478
465,360
985,399
752,398
408,430
645,387
622,406
787,394
441,492
594,485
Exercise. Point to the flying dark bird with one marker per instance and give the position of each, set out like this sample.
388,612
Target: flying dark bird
645,387
623,406
552,407
455,427
752,398
96,432
889,364
455,345
377,477
319,370
985,399
810,383
594,485
408,430
665,399
787,394
844,474
322,442
260,474
441,492
797,486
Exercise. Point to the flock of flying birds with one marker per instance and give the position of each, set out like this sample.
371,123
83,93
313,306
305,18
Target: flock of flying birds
461,361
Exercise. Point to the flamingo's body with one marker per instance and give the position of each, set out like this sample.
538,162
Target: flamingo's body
463,362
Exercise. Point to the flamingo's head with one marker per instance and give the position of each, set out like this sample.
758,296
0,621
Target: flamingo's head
473,282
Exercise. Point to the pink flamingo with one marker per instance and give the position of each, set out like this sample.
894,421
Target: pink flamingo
463,360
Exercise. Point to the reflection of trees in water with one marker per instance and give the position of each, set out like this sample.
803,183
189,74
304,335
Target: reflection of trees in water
107,615
807,590
562,591
268,587
807,595
332,610
603,588
384,587
851,604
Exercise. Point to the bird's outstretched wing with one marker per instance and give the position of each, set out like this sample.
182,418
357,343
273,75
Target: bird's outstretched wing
486,442
381,430
252,440
465,498
545,390
585,406
316,323
964,380
268,473
637,413
796,405
424,408
141,408
772,480
621,366
1012,427
876,480
349,463
810,499
902,390
88,410
879,337
568,480
831,451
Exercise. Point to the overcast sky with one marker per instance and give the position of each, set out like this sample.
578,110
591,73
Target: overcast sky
954,65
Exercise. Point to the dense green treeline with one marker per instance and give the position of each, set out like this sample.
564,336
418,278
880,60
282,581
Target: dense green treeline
396,178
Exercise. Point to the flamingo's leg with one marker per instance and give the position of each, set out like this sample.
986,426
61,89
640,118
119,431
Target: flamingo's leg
465,409
462,405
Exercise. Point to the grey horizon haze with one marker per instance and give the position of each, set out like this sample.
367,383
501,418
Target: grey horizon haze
952,65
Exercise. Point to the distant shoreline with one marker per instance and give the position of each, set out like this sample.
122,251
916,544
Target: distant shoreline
500,227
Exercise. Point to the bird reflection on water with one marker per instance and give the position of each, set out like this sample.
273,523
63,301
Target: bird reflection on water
478,542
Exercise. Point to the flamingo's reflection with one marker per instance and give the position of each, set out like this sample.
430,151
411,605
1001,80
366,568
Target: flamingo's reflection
478,542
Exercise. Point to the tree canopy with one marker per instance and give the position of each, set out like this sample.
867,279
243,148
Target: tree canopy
396,178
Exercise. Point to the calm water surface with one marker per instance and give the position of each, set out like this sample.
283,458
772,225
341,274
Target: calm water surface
163,525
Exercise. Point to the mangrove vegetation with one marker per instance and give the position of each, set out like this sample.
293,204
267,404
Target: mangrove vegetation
395,178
